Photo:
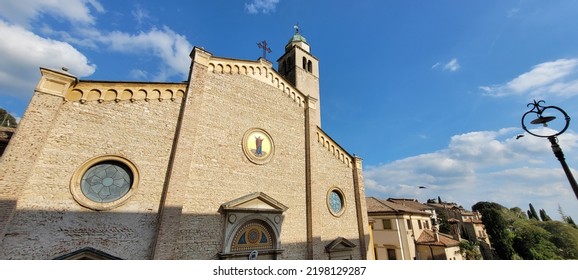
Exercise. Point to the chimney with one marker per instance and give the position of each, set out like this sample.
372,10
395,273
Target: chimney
436,235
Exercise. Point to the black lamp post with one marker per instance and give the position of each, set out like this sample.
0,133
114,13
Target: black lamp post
538,111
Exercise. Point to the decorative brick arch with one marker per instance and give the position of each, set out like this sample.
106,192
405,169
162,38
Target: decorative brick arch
252,227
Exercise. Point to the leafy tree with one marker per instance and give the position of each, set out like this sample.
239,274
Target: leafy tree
470,250
465,234
518,212
6,119
497,227
484,205
531,242
443,223
565,237
513,236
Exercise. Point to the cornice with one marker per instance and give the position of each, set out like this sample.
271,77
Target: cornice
90,91
260,70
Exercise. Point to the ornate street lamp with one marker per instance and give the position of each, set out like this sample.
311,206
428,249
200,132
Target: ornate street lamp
538,110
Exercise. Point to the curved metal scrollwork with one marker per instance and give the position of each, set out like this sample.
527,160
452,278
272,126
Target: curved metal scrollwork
538,110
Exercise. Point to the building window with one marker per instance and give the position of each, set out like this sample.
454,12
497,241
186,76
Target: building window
304,63
104,182
409,226
387,224
419,224
426,224
309,66
391,254
335,202
254,235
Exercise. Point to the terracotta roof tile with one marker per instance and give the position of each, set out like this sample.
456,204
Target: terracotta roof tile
427,237
375,205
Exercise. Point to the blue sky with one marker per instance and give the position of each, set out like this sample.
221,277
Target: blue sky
428,93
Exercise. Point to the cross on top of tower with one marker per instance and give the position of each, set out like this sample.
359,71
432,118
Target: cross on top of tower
263,45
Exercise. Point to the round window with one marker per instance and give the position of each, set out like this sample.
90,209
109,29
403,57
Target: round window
105,182
335,202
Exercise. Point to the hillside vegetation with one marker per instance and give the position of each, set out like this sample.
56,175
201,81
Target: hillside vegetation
515,234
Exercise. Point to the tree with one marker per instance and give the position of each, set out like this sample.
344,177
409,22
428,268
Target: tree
439,200
518,213
571,222
544,216
531,242
564,236
513,236
443,223
532,213
566,219
470,250
497,227
6,119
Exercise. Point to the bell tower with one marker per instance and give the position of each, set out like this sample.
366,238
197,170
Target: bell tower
301,68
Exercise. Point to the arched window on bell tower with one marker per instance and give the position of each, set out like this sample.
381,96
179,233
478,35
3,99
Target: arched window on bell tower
302,69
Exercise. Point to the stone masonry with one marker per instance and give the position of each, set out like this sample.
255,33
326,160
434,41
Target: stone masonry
184,142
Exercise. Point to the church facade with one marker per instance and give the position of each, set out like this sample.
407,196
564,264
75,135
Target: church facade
230,164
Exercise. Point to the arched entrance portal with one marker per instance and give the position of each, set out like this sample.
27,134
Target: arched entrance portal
252,228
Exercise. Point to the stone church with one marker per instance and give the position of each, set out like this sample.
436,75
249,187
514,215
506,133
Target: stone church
230,164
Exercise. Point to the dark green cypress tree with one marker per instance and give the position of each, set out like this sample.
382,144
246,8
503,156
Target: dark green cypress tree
544,216
571,222
532,213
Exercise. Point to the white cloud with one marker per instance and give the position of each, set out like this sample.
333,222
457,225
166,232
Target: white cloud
141,15
173,49
453,65
261,6
23,12
553,78
23,52
138,74
482,166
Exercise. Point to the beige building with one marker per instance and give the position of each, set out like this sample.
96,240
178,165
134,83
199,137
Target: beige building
402,229
230,164
466,225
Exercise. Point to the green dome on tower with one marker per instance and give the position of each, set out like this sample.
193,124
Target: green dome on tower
297,40
297,37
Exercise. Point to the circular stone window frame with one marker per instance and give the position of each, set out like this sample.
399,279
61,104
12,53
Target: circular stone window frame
343,201
80,197
249,154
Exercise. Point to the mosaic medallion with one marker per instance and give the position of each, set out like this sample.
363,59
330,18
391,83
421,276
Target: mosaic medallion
258,146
